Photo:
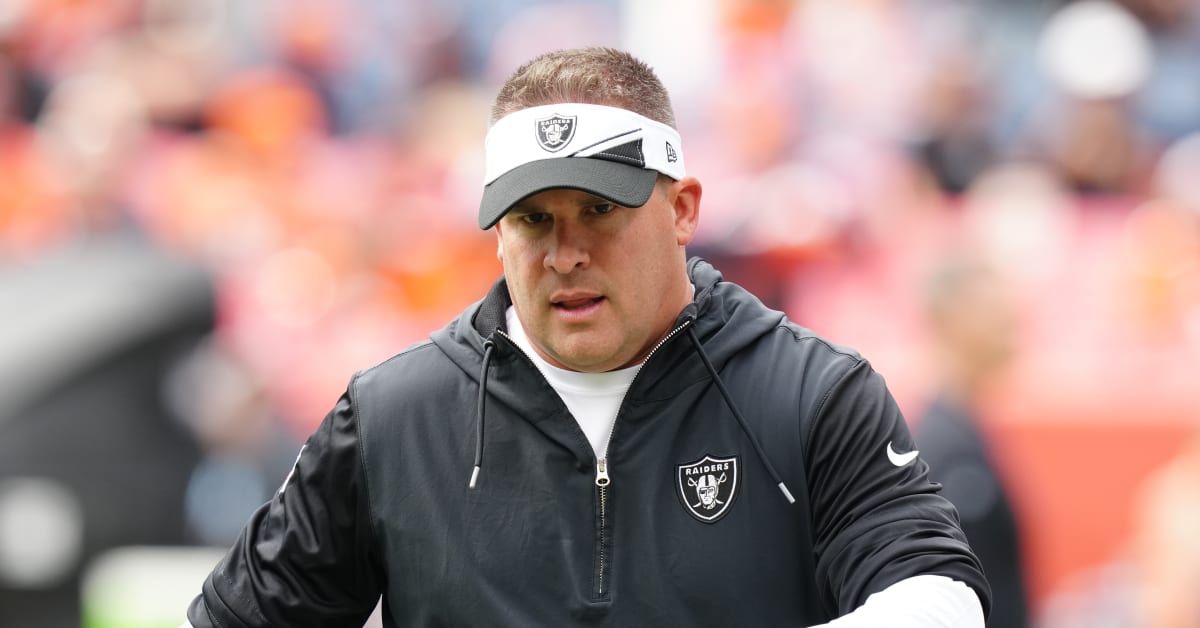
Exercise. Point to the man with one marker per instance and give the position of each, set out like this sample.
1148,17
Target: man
972,323
661,449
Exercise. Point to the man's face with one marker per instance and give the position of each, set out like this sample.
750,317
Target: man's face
594,284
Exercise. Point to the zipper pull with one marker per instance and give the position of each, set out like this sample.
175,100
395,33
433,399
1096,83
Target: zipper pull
602,472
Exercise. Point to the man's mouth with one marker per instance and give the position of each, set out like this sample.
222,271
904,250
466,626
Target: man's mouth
576,305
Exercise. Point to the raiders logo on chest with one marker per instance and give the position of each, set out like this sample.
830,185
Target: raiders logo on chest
707,487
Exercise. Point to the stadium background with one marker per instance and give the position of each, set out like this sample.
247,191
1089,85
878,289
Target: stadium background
213,212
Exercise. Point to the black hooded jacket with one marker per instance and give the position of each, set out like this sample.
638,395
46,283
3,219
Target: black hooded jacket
692,527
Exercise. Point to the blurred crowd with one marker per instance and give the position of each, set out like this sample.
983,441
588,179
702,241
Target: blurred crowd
322,158
320,161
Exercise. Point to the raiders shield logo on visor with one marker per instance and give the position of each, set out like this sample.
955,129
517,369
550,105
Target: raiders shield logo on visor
707,487
555,132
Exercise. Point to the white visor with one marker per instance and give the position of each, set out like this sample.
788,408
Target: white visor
611,152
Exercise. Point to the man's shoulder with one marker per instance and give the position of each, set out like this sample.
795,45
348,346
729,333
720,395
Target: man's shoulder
416,365
796,367
812,349
417,352
749,324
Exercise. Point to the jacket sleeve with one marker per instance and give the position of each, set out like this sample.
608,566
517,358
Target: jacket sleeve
304,558
876,516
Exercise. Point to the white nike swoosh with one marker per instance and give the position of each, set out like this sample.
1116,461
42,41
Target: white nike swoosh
900,459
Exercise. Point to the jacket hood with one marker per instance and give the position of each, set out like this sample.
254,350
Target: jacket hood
728,318
724,316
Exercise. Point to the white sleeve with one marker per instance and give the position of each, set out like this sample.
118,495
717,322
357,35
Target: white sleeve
918,602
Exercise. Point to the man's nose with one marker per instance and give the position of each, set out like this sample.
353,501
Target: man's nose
568,249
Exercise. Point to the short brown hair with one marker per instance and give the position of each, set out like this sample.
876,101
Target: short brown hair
598,76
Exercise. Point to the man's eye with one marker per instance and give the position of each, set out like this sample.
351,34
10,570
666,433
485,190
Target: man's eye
534,218
603,208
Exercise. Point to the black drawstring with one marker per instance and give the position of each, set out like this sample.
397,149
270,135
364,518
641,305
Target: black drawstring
738,415
488,346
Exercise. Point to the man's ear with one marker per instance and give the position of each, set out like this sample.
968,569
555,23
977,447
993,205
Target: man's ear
499,245
685,201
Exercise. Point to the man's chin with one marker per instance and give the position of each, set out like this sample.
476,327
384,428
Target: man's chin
586,360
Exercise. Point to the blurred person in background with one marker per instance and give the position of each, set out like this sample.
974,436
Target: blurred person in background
953,140
971,320
622,484
1097,58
